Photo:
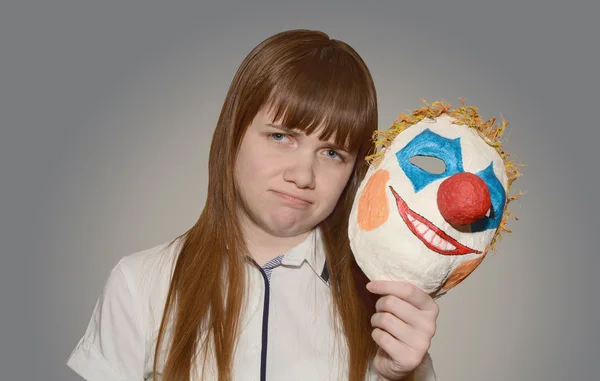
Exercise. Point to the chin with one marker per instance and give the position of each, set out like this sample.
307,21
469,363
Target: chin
280,228
284,220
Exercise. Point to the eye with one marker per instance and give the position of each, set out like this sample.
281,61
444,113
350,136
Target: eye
332,154
279,137
429,164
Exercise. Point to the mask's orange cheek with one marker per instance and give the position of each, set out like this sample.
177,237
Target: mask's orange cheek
463,270
373,207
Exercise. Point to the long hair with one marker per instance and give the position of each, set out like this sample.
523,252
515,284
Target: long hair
309,80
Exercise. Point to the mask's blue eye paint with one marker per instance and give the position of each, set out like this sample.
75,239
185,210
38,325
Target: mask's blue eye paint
428,143
498,196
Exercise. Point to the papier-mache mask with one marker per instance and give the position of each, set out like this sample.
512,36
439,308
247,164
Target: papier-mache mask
435,198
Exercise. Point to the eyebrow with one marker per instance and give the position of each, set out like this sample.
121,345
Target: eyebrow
298,132
284,129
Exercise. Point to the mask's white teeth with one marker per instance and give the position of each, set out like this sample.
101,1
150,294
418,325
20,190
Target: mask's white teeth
416,224
429,235
443,245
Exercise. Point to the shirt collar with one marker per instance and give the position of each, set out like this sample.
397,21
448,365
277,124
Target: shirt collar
310,250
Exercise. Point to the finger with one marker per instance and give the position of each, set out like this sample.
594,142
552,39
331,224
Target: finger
397,350
392,346
407,313
405,291
400,331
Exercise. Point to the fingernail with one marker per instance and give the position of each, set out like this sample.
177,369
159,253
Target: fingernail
370,286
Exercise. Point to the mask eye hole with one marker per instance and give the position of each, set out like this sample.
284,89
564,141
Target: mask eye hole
429,164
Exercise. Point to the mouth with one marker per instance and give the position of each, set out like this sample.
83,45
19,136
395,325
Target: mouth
297,200
432,236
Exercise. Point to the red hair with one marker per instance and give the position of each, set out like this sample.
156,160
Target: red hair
309,80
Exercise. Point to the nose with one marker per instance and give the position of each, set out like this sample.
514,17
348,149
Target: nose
463,198
301,171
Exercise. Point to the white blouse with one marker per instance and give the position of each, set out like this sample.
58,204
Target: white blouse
287,330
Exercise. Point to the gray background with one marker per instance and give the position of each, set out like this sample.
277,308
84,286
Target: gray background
107,109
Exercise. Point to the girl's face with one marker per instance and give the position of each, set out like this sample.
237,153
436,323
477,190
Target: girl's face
289,181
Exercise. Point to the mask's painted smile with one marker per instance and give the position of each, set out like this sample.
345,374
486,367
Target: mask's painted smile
432,236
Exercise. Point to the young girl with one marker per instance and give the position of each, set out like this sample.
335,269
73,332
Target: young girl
264,285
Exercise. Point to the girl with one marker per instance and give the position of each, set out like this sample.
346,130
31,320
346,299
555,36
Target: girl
264,286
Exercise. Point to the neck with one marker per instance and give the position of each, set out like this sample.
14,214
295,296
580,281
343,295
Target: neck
263,246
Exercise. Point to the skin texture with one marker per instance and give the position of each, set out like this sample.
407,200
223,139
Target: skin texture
289,182
405,323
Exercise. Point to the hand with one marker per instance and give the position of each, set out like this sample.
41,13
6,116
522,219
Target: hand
405,323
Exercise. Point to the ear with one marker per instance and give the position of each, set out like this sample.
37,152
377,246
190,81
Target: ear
373,206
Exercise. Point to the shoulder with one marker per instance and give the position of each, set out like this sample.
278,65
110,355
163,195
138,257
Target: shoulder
139,281
147,274
149,265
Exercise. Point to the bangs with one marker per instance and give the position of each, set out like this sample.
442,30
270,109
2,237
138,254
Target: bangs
332,91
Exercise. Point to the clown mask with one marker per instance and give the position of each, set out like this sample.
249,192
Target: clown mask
431,225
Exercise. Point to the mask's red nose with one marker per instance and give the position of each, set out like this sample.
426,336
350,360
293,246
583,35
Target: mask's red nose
463,198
